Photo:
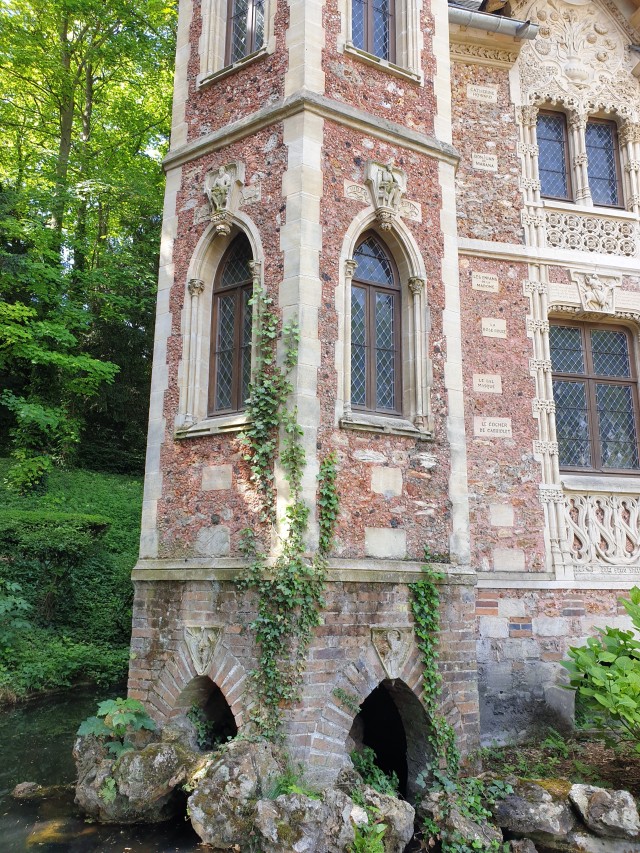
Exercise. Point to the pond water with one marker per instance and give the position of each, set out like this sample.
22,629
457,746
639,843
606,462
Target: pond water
36,739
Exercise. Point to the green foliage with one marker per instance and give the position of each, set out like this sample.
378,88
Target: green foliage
606,673
291,782
474,799
205,729
425,605
290,589
328,502
116,719
108,790
349,700
369,838
14,610
364,762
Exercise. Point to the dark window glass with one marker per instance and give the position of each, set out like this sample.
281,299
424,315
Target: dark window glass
230,372
373,27
375,330
551,133
595,393
245,28
601,141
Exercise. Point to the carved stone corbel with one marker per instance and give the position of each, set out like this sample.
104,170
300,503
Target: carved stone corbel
387,185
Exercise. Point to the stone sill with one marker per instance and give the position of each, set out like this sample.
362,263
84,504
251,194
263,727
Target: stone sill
204,80
213,426
386,426
548,580
605,483
338,570
551,205
376,62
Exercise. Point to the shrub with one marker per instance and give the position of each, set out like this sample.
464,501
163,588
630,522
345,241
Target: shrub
605,673
116,719
365,763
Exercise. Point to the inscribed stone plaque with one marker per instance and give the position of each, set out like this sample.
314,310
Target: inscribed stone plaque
492,427
486,281
482,162
494,327
489,383
484,94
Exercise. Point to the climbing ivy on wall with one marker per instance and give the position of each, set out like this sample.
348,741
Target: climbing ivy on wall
425,604
290,589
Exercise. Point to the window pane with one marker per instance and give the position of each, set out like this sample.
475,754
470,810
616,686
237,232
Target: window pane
358,347
616,426
566,349
236,269
246,346
239,30
610,353
572,424
552,160
358,11
381,28
385,352
258,24
601,162
373,263
224,351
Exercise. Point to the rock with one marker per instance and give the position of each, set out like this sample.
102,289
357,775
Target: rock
523,845
443,809
348,780
181,730
534,811
612,814
582,842
27,791
398,816
299,824
139,787
223,804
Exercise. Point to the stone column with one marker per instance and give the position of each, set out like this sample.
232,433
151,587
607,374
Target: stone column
417,287
577,129
349,269
191,354
630,155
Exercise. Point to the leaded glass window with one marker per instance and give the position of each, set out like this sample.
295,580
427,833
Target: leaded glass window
603,168
375,330
373,27
230,372
553,159
595,392
245,28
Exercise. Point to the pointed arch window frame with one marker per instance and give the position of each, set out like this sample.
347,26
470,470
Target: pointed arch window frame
415,418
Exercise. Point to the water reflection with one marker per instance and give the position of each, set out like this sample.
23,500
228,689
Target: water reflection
35,742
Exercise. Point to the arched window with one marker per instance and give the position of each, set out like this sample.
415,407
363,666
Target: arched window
376,374
230,368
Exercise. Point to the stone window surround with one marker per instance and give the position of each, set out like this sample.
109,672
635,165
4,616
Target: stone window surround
212,47
408,41
417,421
628,156
192,419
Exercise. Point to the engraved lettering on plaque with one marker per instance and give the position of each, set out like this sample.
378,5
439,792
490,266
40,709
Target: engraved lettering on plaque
484,94
494,327
486,281
492,427
487,383
482,162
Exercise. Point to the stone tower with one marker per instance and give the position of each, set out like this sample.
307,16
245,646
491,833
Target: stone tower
311,157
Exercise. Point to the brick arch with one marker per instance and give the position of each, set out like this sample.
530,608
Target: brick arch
358,680
226,672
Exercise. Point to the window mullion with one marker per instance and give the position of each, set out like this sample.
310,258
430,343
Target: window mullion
370,350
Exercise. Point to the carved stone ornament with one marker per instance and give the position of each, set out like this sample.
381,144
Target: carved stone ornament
387,185
393,646
597,292
222,187
579,58
202,641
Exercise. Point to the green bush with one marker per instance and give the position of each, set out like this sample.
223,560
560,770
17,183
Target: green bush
605,673
115,721
365,763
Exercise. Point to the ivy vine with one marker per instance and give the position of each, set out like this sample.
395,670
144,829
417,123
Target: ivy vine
425,604
290,589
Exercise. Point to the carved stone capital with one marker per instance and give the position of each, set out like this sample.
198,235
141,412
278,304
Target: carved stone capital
530,286
349,268
416,285
385,218
577,121
537,325
629,132
529,150
529,115
195,286
221,223
543,364
546,447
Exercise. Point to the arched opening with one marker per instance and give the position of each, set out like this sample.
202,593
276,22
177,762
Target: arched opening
394,724
204,706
